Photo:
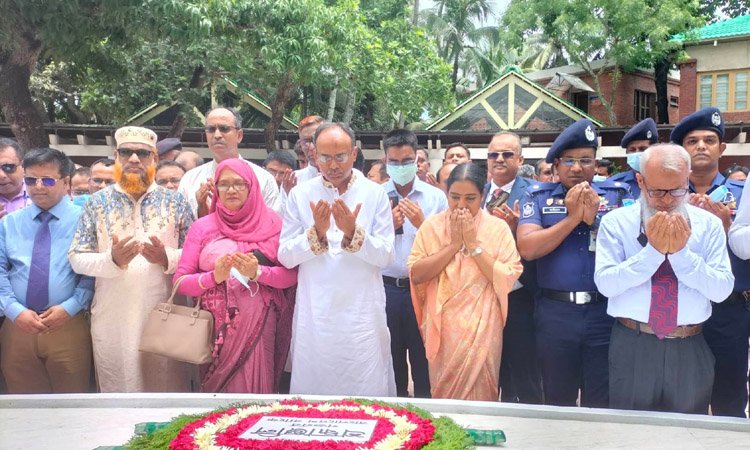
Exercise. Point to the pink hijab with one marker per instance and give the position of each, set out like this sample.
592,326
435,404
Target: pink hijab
255,223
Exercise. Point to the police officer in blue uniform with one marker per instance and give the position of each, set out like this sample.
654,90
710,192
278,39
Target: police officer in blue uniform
728,329
635,142
520,380
558,228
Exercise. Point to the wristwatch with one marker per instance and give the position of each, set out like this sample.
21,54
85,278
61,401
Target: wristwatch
477,251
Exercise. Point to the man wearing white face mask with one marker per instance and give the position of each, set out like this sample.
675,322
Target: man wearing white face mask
412,201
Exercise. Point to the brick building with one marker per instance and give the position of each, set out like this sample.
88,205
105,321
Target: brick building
634,99
717,69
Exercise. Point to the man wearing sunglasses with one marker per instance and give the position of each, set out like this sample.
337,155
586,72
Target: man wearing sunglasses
558,227
519,372
13,194
223,134
728,329
46,342
662,262
129,238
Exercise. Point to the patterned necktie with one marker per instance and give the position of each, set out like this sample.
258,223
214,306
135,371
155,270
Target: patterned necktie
498,198
662,317
37,291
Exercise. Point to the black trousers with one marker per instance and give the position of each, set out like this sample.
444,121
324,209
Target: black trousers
651,374
727,332
405,336
520,379
572,345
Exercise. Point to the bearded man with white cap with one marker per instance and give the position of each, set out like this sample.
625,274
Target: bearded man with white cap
129,237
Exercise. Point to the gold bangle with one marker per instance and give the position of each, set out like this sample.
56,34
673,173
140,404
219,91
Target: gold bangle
200,284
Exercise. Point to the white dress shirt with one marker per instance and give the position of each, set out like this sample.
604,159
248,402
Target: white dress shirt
506,187
624,267
739,232
432,201
194,177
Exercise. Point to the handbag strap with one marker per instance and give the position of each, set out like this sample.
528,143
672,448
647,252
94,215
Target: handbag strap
176,286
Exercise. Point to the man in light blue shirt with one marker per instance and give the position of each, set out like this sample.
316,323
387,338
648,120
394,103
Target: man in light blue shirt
412,201
46,344
661,262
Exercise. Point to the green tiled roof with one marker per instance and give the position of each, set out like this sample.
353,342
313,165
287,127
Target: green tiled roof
739,26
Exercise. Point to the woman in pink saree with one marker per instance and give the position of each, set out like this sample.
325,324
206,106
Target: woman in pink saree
462,266
252,325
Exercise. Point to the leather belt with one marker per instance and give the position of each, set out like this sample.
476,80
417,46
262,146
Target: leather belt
682,331
579,298
398,282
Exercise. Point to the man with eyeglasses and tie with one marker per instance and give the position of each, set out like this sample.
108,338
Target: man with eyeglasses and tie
130,237
223,134
728,329
46,342
338,231
662,262
558,229
520,379
13,194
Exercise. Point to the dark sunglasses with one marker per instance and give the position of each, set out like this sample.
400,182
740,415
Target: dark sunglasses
9,168
506,155
222,128
46,181
128,153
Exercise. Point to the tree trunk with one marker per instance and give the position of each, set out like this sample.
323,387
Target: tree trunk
178,125
597,85
18,108
332,100
454,77
661,74
415,13
284,93
401,119
349,110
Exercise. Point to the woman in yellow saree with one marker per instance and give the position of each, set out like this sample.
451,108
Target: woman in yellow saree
462,266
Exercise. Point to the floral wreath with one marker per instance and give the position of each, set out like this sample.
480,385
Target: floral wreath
394,429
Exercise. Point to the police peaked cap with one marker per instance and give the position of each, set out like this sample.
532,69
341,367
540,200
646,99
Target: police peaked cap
705,119
580,134
643,130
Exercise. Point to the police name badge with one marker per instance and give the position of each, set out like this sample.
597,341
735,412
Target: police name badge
589,133
554,210
716,119
528,210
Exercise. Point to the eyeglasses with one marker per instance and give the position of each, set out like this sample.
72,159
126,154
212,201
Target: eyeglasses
340,158
99,181
570,162
9,167
128,153
659,193
506,154
78,192
46,181
306,141
406,162
223,129
239,187
166,181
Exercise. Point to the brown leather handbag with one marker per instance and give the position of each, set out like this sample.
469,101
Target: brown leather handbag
179,332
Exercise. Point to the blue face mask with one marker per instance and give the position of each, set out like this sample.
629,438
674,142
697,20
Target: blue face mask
634,161
402,175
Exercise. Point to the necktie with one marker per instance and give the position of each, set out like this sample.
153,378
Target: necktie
662,317
498,198
37,292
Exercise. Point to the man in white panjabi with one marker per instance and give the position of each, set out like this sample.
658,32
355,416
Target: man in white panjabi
223,134
129,237
338,230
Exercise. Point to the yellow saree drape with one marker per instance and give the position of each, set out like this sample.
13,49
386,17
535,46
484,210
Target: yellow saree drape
461,314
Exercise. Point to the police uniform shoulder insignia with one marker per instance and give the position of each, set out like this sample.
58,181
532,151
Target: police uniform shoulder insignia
528,209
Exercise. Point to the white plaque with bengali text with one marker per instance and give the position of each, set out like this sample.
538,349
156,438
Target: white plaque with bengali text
309,429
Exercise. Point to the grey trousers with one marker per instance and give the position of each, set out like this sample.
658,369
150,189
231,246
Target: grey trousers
651,374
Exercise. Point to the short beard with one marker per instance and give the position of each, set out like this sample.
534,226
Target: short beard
647,212
133,183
